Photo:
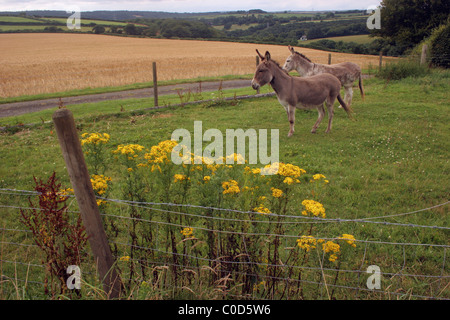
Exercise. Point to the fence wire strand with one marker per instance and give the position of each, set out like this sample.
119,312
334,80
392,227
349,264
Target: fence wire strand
159,207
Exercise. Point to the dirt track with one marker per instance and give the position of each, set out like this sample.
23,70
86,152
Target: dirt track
18,108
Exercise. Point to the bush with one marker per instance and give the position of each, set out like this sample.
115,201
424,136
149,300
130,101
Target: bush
440,46
403,69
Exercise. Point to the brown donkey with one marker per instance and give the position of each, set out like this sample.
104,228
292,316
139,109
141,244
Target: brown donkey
346,72
297,92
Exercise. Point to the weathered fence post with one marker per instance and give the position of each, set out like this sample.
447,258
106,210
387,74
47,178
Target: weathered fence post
381,60
257,64
423,57
329,58
155,84
82,186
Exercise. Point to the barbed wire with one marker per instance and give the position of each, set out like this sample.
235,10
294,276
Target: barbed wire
159,207
143,204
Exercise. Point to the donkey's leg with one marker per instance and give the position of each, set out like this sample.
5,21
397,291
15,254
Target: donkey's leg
321,111
330,107
291,117
348,94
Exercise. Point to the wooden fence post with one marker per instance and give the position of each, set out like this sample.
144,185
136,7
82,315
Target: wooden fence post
257,64
423,57
329,58
155,84
82,186
381,60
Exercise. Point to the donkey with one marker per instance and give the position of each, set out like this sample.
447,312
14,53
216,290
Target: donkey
296,92
346,72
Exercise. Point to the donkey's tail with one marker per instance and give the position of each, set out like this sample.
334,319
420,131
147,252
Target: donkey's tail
344,105
361,89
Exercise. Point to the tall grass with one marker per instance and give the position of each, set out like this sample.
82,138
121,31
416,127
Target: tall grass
403,68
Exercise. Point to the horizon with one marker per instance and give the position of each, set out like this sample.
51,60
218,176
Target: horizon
187,6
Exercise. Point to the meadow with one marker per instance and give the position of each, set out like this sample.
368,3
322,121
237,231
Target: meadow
383,168
45,63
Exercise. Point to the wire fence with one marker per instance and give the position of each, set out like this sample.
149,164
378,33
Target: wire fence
181,250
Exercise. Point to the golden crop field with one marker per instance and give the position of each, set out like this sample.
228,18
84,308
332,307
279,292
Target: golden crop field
47,63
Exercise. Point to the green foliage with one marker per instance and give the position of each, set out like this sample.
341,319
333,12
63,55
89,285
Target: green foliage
392,160
98,29
440,46
408,22
403,69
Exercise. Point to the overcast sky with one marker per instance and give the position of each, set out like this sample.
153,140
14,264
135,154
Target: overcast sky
188,5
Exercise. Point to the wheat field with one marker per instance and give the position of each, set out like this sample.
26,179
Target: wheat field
47,63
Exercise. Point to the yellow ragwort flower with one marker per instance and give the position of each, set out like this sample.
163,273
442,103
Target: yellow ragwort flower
349,239
331,246
307,243
94,138
161,153
261,209
100,183
313,207
277,193
188,231
180,177
129,150
230,187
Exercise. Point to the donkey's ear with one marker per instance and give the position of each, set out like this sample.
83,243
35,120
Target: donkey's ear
259,54
267,57
291,49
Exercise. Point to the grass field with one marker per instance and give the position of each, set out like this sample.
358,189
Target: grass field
393,159
48,63
362,39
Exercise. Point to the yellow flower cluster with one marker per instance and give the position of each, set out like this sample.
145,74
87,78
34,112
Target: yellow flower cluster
349,239
94,138
234,158
125,258
261,209
64,193
187,231
100,183
290,170
307,243
180,177
161,153
230,187
313,207
277,193
284,169
319,176
289,180
333,248
206,179
128,149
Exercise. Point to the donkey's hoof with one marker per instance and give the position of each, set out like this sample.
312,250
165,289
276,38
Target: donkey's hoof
290,134
340,106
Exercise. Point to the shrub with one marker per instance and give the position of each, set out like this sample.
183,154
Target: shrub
403,69
440,46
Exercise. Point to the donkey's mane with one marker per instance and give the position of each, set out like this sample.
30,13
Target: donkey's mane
303,56
278,65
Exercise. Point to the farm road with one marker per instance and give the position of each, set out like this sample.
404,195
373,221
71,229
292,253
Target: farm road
18,108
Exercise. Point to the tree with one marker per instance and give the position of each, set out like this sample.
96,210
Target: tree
98,29
408,22
131,29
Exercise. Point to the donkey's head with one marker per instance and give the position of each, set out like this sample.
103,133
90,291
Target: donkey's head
263,73
289,64
297,61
